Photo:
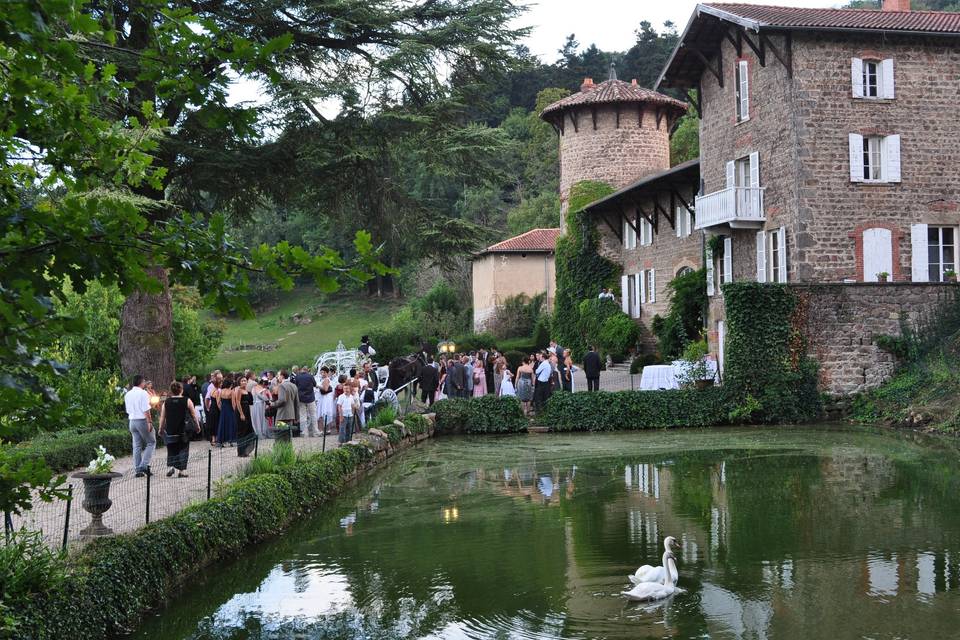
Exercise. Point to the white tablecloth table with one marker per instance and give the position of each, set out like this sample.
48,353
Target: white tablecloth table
658,376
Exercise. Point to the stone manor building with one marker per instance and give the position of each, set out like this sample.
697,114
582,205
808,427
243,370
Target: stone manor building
828,161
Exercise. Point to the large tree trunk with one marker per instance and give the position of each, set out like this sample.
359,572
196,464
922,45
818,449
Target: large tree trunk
146,335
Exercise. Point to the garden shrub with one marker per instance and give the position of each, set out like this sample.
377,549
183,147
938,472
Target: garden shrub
385,416
634,410
618,336
416,423
541,333
684,319
66,450
523,345
486,414
516,316
515,359
474,341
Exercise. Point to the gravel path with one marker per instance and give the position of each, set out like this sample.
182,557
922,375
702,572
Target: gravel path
167,495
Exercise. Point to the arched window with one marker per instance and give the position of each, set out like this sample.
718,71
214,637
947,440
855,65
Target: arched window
682,271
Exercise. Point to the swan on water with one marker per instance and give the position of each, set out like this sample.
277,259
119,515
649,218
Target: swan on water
648,573
657,590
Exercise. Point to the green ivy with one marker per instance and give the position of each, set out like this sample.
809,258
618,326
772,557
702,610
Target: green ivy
581,270
766,365
634,410
486,414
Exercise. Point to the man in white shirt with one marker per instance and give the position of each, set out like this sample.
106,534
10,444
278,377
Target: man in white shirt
541,392
137,403
346,403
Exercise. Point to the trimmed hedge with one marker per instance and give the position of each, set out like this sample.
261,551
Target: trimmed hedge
486,414
634,410
68,449
112,581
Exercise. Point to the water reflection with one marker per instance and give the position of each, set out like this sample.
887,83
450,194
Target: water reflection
782,534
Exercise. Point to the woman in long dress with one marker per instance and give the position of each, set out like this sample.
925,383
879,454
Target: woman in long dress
245,435
568,370
227,403
479,380
258,412
525,384
213,412
176,428
326,409
506,385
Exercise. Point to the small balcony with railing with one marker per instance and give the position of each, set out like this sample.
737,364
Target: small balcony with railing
737,207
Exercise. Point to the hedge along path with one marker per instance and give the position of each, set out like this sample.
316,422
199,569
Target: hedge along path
167,495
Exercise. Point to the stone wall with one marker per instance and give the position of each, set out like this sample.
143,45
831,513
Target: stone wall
612,154
842,322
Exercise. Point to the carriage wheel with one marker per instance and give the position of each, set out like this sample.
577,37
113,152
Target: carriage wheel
390,399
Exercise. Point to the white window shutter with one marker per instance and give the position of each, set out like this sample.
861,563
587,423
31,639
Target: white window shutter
678,221
653,285
782,237
641,291
856,77
886,79
711,288
744,90
856,157
689,217
731,180
755,169
918,244
727,259
891,158
761,256
624,295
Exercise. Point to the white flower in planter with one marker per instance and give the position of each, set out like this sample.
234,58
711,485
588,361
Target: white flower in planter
103,463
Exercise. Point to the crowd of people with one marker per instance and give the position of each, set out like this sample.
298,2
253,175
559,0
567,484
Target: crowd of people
235,409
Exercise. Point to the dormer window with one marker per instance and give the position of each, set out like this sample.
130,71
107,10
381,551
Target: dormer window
872,79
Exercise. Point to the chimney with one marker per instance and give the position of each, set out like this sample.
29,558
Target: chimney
634,82
587,85
896,5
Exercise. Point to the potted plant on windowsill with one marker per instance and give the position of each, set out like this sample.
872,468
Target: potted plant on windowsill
882,276
96,492
949,275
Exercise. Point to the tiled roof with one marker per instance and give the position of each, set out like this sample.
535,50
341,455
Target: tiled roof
613,91
533,240
865,19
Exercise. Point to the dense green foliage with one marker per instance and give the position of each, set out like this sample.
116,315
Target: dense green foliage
631,410
105,589
767,368
581,271
69,449
601,323
486,414
685,316
437,315
516,316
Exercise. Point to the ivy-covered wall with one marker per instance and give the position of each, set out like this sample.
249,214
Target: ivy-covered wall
581,270
767,370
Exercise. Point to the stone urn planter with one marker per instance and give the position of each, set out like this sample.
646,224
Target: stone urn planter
96,501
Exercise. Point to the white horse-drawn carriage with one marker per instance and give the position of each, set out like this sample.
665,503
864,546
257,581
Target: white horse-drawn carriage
342,360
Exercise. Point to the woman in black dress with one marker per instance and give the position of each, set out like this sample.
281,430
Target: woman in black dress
176,428
212,412
245,435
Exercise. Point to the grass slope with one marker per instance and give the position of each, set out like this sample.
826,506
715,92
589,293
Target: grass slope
333,318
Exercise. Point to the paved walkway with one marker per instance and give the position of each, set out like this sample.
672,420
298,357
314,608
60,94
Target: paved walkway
167,495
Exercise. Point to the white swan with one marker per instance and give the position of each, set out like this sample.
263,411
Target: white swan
656,590
648,573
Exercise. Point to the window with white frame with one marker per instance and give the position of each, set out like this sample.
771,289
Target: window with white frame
629,235
646,232
743,90
632,302
683,222
941,252
874,158
772,255
648,288
719,265
872,79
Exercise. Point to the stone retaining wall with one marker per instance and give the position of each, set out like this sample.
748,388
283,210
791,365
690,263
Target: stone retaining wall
842,322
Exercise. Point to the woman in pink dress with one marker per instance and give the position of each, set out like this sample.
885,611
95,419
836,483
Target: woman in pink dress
479,380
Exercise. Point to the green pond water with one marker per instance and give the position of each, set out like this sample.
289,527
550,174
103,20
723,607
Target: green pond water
813,532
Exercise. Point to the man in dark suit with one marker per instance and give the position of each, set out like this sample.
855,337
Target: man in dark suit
458,384
429,379
591,369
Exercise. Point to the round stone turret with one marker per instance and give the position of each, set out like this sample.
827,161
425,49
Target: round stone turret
615,132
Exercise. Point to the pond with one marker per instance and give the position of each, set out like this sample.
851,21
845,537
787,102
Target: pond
802,532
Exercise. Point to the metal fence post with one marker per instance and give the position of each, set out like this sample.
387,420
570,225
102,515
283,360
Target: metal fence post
66,519
323,448
256,447
631,382
149,476
209,468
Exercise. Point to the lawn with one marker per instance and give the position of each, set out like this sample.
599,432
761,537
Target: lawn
332,318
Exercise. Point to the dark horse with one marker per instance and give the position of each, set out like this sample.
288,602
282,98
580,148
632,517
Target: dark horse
404,369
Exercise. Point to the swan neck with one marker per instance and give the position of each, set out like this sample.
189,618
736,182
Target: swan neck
667,573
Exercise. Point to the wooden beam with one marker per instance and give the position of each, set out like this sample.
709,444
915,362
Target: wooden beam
652,219
633,225
562,125
573,120
616,229
686,205
616,108
659,209
593,112
758,49
716,71
659,113
786,56
697,101
734,41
